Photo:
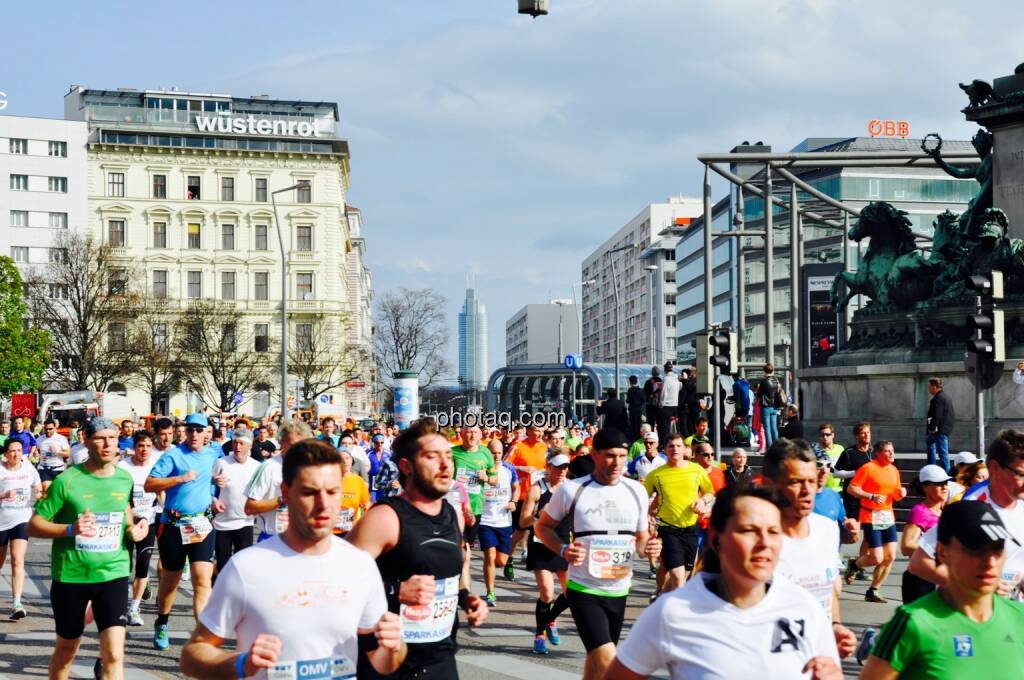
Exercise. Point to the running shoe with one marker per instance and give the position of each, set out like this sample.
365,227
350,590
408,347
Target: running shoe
135,618
161,640
867,641
147,593
851,571
540,645
510,572
874,596
491,600
862,575
18,613
552,633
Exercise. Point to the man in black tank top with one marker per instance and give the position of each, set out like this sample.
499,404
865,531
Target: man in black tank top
416,539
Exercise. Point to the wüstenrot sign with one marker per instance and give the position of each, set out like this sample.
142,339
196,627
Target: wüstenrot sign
258,126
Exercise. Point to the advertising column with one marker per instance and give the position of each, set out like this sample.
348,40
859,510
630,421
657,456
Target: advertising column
407,398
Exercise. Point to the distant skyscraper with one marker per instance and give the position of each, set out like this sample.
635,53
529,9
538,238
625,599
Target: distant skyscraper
473,343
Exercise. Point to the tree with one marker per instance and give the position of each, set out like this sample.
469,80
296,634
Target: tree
215,352
411,333
24,353
317,357
158,371
83,298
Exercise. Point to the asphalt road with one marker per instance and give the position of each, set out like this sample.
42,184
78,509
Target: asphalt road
500,650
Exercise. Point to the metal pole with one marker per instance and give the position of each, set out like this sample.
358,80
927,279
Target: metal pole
284,312
847,267
558,357
716,428
709,300
794,292
741,283
979,394
615,292
654,326
769,287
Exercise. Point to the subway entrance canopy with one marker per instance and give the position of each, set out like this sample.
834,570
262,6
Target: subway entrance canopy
533,388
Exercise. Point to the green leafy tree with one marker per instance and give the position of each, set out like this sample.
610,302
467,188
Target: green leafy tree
24,352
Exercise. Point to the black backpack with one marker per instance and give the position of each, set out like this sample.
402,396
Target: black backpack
770,392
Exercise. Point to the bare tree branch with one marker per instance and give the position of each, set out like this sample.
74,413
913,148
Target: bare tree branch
159,370
411,333
320,358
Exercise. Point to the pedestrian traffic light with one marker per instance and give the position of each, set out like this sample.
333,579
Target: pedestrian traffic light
723,344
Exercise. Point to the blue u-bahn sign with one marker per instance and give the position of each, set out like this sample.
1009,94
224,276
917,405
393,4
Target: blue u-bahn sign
573,361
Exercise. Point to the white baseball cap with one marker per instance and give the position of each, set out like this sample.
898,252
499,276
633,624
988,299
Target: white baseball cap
933,474
965,458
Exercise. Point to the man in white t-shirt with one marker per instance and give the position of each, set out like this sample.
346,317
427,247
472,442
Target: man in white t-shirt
263,495
19,489
495,531
54,451
304,603
145,506
234,527
810,542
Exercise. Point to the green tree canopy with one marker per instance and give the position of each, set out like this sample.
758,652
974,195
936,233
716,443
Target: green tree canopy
24,353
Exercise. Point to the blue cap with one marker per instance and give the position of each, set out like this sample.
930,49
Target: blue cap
98,423
378,438
197,419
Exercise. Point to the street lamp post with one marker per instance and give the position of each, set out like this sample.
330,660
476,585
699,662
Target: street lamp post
579,335
615,292
654,322
284,298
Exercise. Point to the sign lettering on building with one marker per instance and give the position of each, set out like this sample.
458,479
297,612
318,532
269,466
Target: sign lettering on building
241,125
889,128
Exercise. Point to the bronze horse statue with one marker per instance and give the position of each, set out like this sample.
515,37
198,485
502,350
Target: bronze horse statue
894,272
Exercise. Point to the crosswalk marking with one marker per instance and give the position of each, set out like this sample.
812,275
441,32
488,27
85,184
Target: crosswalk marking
130,673
515,667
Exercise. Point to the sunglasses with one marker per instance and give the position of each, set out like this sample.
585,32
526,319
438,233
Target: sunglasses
194,429
705,455
828,434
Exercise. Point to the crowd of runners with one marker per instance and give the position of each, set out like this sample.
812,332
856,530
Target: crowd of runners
327,551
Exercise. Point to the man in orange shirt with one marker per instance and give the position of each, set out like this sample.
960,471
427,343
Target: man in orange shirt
528,457
877,485
704,456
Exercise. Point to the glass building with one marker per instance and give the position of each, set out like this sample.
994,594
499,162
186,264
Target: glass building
473,343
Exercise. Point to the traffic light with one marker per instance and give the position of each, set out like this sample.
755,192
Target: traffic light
705,371
986,348
723,344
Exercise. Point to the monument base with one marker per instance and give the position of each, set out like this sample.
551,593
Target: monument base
894,399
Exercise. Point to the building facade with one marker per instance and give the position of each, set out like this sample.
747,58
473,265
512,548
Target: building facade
473,355
542,334
646,276
43,190
180,185
360,390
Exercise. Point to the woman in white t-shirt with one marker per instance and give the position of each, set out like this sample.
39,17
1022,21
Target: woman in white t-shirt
19,489
692,630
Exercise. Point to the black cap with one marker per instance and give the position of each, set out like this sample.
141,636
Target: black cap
610,438
974,523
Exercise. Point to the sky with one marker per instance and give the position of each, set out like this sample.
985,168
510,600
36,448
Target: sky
490,144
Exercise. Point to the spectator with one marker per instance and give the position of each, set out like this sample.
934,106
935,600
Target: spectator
939,426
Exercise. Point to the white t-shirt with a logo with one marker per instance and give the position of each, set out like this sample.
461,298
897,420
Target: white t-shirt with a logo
232,494
144,505
496,499
813,562
49,451
699,636
314,603
265,485
18,510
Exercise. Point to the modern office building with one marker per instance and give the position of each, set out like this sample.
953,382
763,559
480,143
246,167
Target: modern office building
645,272
473,357
43,189
542,334
180,185
922,191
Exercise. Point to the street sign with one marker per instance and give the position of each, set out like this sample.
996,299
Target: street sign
573,362
355,384
324,399
238,398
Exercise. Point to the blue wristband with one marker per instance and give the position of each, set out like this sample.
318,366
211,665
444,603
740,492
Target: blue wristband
71,530
240,664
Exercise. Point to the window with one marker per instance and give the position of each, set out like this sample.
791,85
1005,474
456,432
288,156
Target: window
58,220
19,182
261,237
58,149
304,238
19,254
261,189
670,321
159,234
159,186
19,147
304,285
227,188
115,233
262,286
117,281
19,218
304,194
195,285
55,255
57,291
228,338
670,276
262,335
195,234
227,286
670,298
116,336
115,184
160,337
193,188
160,284
60,185
304,337
227,236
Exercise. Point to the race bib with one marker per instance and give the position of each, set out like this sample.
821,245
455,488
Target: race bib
346,518
496,495
432,622
882,519
312,669
194,529
280,520
463,475
108,534
19,502
611,557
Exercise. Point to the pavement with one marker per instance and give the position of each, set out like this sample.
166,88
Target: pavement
499,650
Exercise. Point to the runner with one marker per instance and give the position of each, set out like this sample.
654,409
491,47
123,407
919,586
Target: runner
474,467
544,563
877,484
125,442
496,522
416,539
163,436
54,452
933,483
528,457
828,503
961,631
851,460
355,496
827,445
810,542
87,513
738,620
185,475
738,472
79,452
232,527
377,456
646,462
19,489
682,492
607,516
303,604
700,434
263,495
145,505
20,433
